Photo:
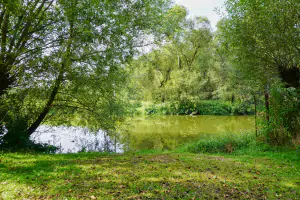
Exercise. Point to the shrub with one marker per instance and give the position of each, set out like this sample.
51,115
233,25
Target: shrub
213,108
242,108
283,126
26,145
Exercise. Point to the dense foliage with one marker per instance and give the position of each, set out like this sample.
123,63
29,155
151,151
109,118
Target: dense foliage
62,62
252,60
212,107
84,63
95,64
261,40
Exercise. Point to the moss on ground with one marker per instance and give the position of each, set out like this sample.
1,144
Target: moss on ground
148,176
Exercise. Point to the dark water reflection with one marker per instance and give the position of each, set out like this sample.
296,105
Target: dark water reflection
157,132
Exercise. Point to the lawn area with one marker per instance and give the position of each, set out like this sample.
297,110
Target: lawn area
151,175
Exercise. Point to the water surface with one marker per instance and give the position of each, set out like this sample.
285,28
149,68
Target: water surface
155,132
169,132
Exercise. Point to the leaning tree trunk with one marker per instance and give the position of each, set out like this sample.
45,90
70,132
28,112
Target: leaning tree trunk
65,64
47,107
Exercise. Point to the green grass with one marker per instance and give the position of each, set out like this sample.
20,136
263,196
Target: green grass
225,143
154,175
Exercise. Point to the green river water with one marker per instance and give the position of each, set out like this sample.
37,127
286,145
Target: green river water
150,133
169,132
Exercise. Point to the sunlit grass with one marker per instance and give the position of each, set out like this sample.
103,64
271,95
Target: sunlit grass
141,176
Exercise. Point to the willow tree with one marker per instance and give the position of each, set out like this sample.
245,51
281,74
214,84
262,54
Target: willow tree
176,69
63,59
263,39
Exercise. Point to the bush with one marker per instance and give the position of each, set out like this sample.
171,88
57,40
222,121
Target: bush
284,123
213,108
26,145
15,139
227,143
242,108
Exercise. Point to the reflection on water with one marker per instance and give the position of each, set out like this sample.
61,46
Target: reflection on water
156,132
75,139
169,132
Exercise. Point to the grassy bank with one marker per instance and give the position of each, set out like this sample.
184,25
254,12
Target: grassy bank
228,143
159,175
205,107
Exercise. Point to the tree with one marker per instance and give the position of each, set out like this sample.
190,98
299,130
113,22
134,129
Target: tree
22,34
70,59
178,69
264,34
263,38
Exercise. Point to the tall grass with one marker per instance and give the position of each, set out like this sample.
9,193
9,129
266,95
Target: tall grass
225,143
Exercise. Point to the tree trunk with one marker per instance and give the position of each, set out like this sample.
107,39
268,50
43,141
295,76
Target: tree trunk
4,70
47,108
179,62
232,98
267,105
255,112
65,63
5,80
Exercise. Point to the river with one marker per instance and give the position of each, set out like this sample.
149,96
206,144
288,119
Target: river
155,132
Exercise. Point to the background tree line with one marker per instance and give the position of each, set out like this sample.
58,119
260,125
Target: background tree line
76,63
61,62
252,58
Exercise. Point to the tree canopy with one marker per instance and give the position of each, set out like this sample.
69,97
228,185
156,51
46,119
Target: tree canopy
66,57
79,62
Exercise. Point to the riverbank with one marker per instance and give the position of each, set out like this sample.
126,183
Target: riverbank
160,175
